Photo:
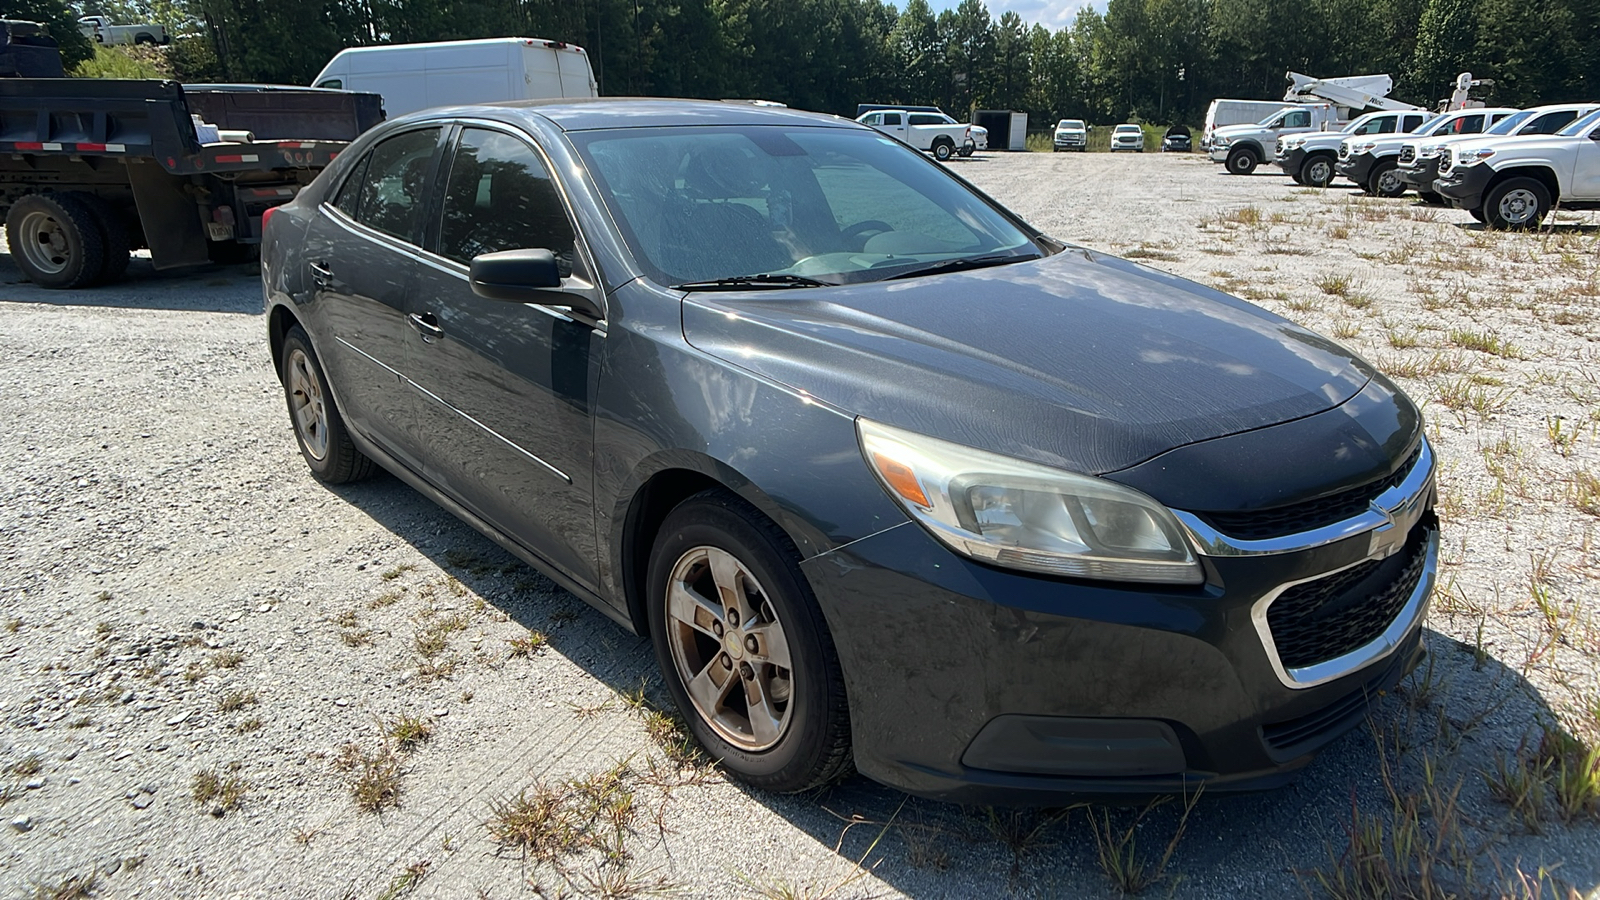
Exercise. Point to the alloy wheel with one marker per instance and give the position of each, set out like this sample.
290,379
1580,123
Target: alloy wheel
307,405
729,648
45,243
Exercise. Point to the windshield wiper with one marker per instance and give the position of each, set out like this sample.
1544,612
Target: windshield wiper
741,282
965,262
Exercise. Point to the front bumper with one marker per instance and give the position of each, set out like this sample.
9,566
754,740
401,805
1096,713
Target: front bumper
1071,143
1463,187
1292,161
976,684
1421,173
1219,152
1175,146
1357,167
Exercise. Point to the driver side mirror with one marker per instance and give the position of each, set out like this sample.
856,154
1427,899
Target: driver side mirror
527,276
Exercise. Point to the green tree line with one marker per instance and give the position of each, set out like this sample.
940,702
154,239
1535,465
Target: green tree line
1156,60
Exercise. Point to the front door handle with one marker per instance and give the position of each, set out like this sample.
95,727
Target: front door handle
321,273
427,325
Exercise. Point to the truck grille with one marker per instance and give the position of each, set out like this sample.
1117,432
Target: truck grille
1408,153
1277,521
1329,617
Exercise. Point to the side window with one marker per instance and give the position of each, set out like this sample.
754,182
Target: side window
1300,118
1384,125
926,119
1467,125
391,185
891,118
873,119
500,197
1412,123
335,83
1550,123
349,199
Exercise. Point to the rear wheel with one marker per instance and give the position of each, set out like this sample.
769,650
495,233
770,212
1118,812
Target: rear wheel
320,430
1476,212
943,149
113,234
1317,172
1516,204
744,648
1385,179
1431,197
1243,161
55,240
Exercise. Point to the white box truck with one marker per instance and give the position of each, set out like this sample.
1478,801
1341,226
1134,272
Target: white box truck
420,76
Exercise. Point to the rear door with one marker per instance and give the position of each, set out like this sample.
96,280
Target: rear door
361,252
509,387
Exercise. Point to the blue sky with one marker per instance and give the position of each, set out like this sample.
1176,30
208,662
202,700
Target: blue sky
1052,14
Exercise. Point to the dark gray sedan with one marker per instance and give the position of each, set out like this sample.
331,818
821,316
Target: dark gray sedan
890,479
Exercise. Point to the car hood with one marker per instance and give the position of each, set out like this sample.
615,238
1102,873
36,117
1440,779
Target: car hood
1081,361
1523,143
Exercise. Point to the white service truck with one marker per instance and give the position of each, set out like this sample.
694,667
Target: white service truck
1419,160
1373,162
421,76
1514,182
1243,147
100,30
1309,158
934,132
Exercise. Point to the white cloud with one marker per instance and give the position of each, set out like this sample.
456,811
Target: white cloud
1053,14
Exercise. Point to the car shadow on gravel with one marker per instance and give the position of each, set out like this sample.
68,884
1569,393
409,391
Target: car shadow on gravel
1420,759
208,288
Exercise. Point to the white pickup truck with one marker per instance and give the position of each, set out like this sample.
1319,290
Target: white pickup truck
939,134
1243,147
1373,162
1419,160
1309,158
100,30
1514,182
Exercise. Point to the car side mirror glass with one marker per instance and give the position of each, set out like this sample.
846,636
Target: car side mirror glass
527,276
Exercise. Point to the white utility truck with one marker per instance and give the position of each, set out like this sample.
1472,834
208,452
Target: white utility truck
100,30
1313,104
936,133
1309,158
1514,182
1374,162
421,76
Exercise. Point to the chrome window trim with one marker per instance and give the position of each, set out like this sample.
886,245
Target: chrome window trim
1409,617
1391,513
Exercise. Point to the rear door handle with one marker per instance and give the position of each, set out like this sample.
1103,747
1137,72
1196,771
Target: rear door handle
427,325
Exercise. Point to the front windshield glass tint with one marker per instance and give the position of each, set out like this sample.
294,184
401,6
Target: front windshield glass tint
831,204
1510,123
1581,126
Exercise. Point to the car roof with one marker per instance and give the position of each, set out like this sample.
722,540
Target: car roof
590,113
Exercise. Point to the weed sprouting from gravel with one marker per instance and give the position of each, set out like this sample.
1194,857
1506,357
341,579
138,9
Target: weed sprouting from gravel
1129,871
622,882
13,626
1586,492
194,672
387,598
71,887
1483,342
247,726
408,731
406,883
550,821
1520,784
219,791
233,701
391,574
356,638
32,764
374,776
102,631
528,645
1334,284
226,659
346,619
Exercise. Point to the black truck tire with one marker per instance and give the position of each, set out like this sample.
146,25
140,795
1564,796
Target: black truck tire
1243,161
113,234
55,239
943,149
1516,204
1317,171
1385,179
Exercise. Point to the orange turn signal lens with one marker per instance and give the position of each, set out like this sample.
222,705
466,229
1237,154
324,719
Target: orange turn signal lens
902,479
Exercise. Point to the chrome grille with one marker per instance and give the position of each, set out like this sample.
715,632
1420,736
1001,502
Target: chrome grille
1277,521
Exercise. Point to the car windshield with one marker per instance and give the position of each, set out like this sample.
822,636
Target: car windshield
1510,123
833,205
1071,124
1127,129
1581,126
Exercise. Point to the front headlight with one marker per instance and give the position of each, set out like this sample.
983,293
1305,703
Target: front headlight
1429,151
1221,141
1297,142
1473,157
1362,147
1022,515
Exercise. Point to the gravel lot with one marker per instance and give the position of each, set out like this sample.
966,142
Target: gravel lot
188,614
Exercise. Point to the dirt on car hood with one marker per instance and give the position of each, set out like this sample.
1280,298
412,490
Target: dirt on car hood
1082,361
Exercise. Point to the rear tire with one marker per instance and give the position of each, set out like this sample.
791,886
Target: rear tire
1516,204
1476,212
56,241
1243,161
943,149
113,234
717,566
318,427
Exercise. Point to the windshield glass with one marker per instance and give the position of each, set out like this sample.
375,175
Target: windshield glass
1580,126
1510,123
1127,129
832,204
1071,124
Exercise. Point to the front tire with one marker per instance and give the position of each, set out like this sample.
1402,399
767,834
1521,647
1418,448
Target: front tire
743,646
56,240
1317,172
1385,180
1242,161
318,427
1516,204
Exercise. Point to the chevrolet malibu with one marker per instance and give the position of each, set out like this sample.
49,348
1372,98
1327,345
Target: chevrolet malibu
890,479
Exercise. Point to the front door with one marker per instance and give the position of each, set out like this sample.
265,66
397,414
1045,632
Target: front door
361,251
1586,174
509,387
